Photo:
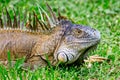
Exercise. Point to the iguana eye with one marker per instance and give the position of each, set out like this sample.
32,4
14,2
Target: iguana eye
77,32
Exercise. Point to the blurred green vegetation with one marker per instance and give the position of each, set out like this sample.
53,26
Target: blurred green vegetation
103,15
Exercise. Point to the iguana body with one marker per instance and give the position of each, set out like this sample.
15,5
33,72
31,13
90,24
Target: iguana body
19,43
66,43
27,44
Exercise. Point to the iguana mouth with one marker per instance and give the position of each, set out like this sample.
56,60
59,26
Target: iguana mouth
85,40
82,45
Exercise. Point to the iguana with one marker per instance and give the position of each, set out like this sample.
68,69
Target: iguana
56,40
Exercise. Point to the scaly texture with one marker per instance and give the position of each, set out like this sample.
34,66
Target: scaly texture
55,41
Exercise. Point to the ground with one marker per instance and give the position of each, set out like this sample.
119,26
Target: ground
103,15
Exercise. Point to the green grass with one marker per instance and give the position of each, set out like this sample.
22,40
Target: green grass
103,15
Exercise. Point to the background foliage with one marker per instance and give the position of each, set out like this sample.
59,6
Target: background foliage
103,15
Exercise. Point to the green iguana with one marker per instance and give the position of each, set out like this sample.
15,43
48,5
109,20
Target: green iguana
56,40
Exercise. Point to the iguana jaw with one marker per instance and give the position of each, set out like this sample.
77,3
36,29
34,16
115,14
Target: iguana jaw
68,54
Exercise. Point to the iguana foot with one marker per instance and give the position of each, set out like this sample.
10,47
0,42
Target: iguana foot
94,58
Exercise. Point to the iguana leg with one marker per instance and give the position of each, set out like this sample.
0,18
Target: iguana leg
32,63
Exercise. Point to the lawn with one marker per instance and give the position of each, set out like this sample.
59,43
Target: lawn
103,15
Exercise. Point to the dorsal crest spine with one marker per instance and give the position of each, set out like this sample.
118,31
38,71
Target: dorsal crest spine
33,24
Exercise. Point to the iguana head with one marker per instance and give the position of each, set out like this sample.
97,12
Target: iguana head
77,39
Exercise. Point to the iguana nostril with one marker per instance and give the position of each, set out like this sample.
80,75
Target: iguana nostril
62,57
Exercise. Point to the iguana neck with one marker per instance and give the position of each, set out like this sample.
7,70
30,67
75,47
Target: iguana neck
48,44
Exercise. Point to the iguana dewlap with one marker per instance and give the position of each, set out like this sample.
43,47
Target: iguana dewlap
66,42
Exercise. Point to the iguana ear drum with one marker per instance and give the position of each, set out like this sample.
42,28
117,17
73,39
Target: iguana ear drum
66,55
62,57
